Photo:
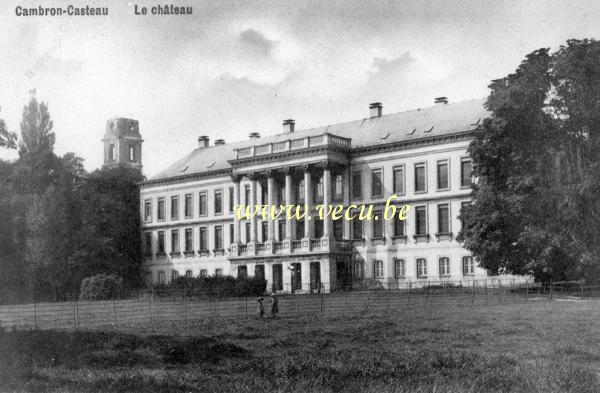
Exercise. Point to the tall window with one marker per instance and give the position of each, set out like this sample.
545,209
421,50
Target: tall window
111,152
174,275
202,204
281,225
378,224
247,200
399,268
376,183
359,268
444,266
174,207
421,267
131,153
468,266
161,242
264,194
231,233
203,239
338,189
420,220
188,274
318,191
466,169
420,178
442,175
399,227
300,191
280,193
148,210
264,229
242,271
378,268
161,208
218,237
231,198
338,229
161,277
189,240
218,202
218,272
357,229
188,207
148,243
248,229
443,219
356,185
399,180
175,240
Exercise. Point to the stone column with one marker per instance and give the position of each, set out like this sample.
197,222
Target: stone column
288,201
308,224
236,202
326,199
252,207
270,203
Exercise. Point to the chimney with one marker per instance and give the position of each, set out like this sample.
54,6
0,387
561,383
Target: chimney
375,108
219,142
288,125
254,135
203,141
441,100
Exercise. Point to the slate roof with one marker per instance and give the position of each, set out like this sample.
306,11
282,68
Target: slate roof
415,124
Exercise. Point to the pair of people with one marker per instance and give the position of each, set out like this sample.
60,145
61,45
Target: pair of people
272,303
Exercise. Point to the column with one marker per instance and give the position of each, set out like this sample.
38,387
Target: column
270,203
326,199
346,183
236,202
252,207
305,271
308,224
288,201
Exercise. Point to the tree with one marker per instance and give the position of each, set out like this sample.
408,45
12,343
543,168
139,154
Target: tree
536,160
7,139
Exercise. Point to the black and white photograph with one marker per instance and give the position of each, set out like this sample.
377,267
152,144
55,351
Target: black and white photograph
300,196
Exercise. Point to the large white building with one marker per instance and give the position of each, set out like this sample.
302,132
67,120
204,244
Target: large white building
189,225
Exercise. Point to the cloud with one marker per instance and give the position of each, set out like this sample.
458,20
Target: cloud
255,44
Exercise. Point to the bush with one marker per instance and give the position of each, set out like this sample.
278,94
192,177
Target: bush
214,286
100,287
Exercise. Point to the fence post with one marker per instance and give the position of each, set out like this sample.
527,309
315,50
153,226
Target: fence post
246,307
527,289
444,292
76,314
151,305
486,289
552,290
473,291
427,293
408,299
321,303
184,307
115,310
582,288
35,315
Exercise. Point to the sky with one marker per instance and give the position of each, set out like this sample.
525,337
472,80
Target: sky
235,67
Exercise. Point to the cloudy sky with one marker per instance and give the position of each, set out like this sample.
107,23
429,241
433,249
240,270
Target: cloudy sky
235,67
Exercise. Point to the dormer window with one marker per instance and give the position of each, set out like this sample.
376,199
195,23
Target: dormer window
111,152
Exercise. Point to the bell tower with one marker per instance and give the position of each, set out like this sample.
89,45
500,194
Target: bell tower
122,143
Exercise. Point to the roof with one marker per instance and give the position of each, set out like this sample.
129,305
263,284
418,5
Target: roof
416,124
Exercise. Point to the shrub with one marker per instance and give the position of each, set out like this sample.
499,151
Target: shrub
100,287
214,286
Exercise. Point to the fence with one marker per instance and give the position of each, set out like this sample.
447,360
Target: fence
155,309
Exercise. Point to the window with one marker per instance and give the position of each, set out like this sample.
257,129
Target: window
189,274
203,239
300,229
264,230
174,207
131,153
468,266
318,227
174,275
399,180
466,169
242,271
148,210
443,218
189,240
318,191
421,220
420,178
338,188
218,202
218,237
357,185
175,240
378,269
376,183
444,266
300,191
202,204
399,227
148,243
161,277
111,152
264,194
443,182
338,229
188,207
161,242
377,224
281,225
247,200
161,208
464,204
231,198
359,268
203,273
421,268
399,268
218,272
280,193
357,229
231,233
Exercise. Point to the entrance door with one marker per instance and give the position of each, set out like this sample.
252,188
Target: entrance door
315,277
277,277
296,277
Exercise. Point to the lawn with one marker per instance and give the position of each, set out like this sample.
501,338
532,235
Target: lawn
539,346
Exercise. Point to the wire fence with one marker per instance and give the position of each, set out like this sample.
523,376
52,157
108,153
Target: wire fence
152,309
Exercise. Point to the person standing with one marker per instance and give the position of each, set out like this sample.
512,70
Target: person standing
274,305
260,308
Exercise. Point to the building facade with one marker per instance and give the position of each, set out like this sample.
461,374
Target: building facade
190,226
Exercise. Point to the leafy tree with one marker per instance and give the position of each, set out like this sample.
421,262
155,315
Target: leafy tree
7,139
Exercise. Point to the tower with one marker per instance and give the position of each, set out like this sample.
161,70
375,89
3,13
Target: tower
122,143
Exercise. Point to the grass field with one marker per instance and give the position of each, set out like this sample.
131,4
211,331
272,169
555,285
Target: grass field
540,346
